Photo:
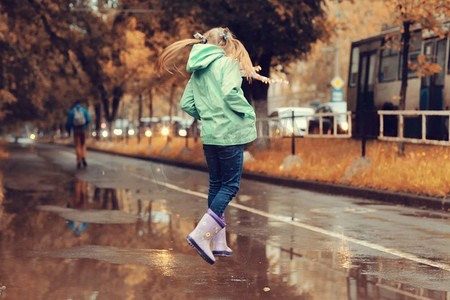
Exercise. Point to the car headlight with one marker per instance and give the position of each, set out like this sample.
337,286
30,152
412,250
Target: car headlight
148,133
117,131
131,131
165,131
182,132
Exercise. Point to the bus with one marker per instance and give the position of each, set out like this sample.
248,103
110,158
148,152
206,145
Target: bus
374,82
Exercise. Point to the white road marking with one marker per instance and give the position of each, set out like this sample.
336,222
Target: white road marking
340,236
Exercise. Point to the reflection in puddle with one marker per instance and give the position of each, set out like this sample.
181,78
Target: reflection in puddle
162,259
91,215
340,275
106,206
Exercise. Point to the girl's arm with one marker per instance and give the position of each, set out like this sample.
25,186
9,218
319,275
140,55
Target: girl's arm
233,94
187,101
256,76
265,79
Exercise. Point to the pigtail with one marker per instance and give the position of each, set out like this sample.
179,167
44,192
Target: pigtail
242,56
169,59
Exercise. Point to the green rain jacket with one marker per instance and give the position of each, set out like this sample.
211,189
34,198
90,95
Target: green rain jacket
214,96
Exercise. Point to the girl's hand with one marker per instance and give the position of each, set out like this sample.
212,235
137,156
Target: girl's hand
257,68
265,79
260,77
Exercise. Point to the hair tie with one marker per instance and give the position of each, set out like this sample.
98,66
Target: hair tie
225,33
198,36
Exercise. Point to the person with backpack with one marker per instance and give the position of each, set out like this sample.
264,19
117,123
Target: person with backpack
78,120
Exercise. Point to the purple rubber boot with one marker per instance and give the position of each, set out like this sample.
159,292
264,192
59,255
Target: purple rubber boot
200,239
220,247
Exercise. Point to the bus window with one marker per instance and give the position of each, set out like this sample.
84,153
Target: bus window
414,52
354,67
371,75
440,60
388,63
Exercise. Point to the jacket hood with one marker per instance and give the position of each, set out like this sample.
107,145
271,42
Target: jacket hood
202,55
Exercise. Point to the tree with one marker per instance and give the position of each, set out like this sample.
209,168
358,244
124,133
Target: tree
428,16
38,67
57,51
30,69
107,47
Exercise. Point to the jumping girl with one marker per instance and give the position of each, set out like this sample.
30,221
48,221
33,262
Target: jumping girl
213,94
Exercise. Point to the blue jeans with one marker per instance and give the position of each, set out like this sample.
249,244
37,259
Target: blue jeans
225,171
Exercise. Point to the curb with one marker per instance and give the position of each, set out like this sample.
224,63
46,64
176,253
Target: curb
399,198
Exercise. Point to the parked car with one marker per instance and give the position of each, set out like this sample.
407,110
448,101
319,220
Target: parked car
285,121
327,121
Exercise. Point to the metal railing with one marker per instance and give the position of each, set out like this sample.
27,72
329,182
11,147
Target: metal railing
299,126
335,132
442,118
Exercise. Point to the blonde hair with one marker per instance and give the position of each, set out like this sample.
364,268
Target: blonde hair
218,36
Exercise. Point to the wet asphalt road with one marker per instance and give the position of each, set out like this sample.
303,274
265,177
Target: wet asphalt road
116,230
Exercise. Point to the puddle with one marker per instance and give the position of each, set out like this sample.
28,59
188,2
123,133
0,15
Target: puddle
364,277
117,242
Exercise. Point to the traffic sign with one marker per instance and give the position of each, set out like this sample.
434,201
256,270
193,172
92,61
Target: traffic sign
337,95
337,83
